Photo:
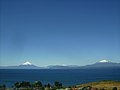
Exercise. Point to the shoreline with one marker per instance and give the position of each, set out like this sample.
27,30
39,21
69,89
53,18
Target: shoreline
37,85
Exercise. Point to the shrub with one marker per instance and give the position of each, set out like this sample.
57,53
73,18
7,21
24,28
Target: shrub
115,88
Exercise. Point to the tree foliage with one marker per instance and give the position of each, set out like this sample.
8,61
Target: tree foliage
58,84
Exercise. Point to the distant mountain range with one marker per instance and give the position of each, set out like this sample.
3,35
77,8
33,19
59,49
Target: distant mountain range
100,64
103,64
26,65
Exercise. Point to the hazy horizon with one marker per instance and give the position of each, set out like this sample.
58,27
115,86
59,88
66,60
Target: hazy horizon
60,32
30,63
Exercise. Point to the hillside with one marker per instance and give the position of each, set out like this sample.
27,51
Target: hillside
107,85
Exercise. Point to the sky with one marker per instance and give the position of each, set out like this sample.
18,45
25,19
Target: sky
62,32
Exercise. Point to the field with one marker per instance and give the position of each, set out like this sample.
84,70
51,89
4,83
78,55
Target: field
107,85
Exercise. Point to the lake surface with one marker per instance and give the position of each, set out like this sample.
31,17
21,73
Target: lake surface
66,77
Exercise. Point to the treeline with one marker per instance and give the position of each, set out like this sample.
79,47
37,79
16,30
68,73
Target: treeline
37,85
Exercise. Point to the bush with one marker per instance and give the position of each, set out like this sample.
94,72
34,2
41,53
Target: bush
58,84
115,88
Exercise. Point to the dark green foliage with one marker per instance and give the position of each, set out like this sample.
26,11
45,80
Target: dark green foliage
17,85
2,87
48,85
22,84
58,84
25,84
102,89
115,88
37,84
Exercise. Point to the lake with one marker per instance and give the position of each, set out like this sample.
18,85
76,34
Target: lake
66,77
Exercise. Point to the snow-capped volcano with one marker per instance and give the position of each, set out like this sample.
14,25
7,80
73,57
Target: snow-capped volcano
27,63
103,61
103,64
100,64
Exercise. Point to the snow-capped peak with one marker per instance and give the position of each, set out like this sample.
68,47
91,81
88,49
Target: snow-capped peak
104,61
27,63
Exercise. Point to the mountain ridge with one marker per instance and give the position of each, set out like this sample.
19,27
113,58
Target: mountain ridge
100,64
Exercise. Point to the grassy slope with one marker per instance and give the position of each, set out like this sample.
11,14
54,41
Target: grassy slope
108,85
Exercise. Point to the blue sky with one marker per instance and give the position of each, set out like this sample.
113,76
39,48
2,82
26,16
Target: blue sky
48,32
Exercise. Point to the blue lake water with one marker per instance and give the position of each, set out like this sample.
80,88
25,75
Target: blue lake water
67,77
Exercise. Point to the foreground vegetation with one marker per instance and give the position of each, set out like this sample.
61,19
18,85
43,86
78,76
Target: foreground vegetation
37,85
103,85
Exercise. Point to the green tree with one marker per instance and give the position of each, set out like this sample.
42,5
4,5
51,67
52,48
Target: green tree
37,84
4,86
115,88
58,84
17,85
48,85
102,89
25,84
